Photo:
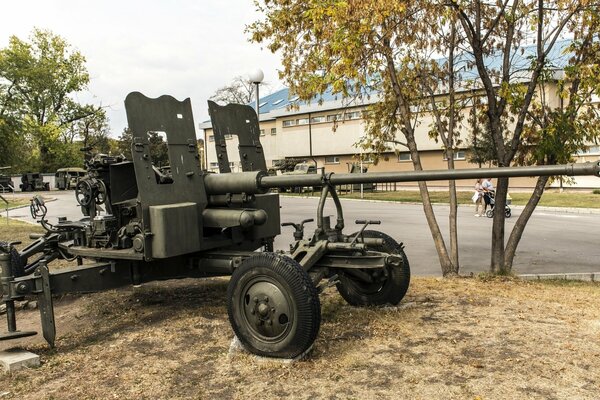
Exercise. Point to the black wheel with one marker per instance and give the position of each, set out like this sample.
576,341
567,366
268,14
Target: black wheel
387,286
18,269
84,193
489,213
273,306
507,212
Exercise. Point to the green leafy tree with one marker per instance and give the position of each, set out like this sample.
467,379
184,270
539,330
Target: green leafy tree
39,77
123,145
90,131
159,151
522,124
359,47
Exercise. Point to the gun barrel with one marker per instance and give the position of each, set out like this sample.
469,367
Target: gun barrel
283,181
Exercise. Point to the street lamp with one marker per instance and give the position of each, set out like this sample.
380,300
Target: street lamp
256,77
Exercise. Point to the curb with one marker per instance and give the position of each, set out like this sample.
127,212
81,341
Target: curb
584,276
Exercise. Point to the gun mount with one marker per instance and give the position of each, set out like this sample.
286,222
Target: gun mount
143,224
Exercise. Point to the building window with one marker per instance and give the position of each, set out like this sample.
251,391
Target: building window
262,132
354,115
332,160
316,120
334,117
402,157
289,122
302,121
589,150
214,165
211,138
458,155
273,131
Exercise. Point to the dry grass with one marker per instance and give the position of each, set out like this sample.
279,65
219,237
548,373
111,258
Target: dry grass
449,339
14,230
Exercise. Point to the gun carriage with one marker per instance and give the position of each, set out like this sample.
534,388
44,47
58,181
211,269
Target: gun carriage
142,224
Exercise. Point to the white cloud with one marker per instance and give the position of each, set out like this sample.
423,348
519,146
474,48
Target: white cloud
184,48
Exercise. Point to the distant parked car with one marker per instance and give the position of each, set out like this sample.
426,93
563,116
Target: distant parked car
67,178
33,181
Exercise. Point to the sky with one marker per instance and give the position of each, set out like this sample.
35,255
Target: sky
184,48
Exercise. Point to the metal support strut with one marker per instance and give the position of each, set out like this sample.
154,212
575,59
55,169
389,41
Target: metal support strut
5,278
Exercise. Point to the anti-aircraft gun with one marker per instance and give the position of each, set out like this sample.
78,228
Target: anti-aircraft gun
142,224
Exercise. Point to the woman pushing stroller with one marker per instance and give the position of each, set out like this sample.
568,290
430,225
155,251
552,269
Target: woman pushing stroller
485,196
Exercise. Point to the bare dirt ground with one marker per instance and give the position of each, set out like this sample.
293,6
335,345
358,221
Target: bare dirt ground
449,339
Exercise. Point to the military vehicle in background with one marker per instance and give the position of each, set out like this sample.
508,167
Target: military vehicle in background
355,168
67,178
6,183
141,224
302,168
33,181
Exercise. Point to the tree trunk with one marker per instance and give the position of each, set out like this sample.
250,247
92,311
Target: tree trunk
519,228
452,221
498,254
438,240
446,264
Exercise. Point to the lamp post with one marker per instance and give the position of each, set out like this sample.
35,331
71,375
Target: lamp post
256,77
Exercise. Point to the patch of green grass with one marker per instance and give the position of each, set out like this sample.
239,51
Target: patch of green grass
17,231
567,282
12,202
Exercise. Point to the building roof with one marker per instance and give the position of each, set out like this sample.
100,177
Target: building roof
280,103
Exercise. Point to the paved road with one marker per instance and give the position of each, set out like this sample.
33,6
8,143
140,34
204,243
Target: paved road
553,241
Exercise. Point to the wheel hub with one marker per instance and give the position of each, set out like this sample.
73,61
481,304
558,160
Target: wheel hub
266,309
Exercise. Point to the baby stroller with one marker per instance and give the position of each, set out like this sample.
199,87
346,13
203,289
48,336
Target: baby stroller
492,202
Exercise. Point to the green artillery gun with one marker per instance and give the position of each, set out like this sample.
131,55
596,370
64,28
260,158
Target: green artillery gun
142,224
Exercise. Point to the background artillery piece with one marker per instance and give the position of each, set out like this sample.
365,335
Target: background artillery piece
142,224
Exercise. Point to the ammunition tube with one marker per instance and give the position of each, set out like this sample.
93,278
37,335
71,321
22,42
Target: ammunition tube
227,218
239,182
225,200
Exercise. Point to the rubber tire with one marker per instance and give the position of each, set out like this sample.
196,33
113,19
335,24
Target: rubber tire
18,268
292,279
507,213
489,213
394,288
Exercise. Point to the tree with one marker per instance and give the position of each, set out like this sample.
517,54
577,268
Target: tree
124,143
360,47
385,47
159,151
39,78
90,131
522,126
240,91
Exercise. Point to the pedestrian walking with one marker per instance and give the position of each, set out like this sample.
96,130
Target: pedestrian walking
488,192
478,198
